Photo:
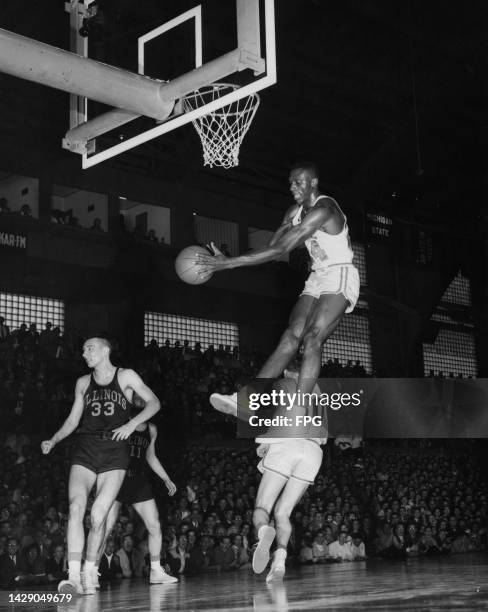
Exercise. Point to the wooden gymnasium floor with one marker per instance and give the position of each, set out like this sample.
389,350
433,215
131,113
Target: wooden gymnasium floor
452,583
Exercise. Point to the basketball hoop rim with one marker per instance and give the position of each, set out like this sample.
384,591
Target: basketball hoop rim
193,98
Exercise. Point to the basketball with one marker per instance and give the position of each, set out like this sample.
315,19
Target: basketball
186,268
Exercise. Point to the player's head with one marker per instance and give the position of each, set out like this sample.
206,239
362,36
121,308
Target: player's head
96,350
109,546
127,543
304,180
307,166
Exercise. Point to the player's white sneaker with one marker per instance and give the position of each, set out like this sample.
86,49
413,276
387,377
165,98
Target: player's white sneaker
277,571
260,558
71,586
224,403
159,576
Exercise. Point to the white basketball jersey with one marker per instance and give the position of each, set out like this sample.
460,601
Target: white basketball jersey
326,249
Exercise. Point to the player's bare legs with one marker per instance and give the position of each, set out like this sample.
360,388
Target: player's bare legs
107,530
109,525
148,511
287,501
81,481
291,338
269,489
324,318
279,359
108,485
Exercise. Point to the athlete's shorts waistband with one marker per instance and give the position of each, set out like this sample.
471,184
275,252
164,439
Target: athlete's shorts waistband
98,435
334,265
316,441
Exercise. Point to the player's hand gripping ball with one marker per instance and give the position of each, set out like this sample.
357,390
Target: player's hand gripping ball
187,268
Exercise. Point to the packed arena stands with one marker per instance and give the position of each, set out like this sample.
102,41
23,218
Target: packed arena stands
401,499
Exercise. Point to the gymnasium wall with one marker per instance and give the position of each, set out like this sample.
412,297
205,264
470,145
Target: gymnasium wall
19,190
106,278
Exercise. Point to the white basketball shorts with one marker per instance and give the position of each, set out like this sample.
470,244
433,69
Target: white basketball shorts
293,458
335,279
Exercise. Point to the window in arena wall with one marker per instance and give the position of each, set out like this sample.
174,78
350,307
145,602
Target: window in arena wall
458,292
215,230
170,327
351,340
17,309
20,194
453,350
360,262
157,218
78,208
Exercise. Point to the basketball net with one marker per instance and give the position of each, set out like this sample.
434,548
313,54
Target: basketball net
222,131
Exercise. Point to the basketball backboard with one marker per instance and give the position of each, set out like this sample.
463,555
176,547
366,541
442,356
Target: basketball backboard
249,63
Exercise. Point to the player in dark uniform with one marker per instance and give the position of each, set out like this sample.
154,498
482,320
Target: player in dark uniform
101,412
137,491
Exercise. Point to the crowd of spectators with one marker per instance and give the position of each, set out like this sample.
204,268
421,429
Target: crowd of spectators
405,501
38,369
24,211
398,502
184,376
67,217
36,375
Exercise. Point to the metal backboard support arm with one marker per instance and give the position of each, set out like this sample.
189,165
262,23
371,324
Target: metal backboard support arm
247,55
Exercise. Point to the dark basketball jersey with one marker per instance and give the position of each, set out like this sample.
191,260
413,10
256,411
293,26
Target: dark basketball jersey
105,407
138,444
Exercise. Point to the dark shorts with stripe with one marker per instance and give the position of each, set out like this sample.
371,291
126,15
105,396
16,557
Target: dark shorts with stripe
99,453
135,488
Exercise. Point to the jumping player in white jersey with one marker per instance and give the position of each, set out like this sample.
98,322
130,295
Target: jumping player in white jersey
101,453
331,290
289,467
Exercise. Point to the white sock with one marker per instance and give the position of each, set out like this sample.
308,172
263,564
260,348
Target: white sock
89,565
280,555
260,531
155,565
95,569
74,569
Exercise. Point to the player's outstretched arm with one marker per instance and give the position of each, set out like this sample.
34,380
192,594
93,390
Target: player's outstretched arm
286,224
154,462
289,240
71,423
129,378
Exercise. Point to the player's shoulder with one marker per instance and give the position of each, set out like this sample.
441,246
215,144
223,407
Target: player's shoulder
291,212
327,207
127,373
83,382
326,201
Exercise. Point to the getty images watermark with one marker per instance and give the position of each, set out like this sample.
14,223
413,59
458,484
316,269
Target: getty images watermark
278,409
289,400
309,407
367,407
